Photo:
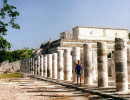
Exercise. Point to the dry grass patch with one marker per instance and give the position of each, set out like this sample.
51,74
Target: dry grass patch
10,75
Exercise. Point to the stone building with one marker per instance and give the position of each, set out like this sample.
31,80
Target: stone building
83,34
57,59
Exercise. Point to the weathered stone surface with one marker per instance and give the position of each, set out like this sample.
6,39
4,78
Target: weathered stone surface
121,77
101,52
101,67
49,65
41,65
88,78
119,46
109,67
35,66
60,65
45,66
122,86
113,64
67,65
102,64
38,65
54,65
16,66
30,65
75,58
128,62
121,65
94,66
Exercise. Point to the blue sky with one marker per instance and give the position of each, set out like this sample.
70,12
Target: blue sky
41,20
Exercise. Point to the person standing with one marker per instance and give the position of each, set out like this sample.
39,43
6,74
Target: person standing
78,70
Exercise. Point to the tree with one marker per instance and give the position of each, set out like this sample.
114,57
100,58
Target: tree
8,16
15,55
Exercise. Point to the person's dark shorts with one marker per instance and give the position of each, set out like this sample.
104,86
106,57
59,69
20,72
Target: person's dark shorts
78,72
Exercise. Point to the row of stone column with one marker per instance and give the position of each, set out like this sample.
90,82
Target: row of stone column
61,65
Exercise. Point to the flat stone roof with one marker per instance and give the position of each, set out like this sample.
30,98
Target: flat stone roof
99,28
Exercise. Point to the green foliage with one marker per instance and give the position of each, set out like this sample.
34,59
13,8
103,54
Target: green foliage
8,16
15,55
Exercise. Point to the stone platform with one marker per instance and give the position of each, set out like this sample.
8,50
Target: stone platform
109,92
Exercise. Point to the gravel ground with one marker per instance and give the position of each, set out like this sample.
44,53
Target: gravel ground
32,89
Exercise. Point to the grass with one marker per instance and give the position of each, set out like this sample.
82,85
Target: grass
10,75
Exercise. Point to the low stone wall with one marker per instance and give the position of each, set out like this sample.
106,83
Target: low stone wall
7,67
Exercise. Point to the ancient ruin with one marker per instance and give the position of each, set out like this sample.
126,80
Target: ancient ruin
102,51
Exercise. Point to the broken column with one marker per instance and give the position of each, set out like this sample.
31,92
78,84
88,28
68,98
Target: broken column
67,65
102,64
60,65
49,65
75,58
45,66
41,65
88,78
54,65
121,65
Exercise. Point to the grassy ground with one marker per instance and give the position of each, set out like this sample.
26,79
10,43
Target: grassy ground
10,75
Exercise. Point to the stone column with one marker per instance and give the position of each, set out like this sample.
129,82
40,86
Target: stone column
94,66
102,64
121,65
128,62
75,58
35,66
49,65
41,65
26,62
109,61
30,65
60,65
38,65
54,65
67,65
113,64
45,66
24,66
88,78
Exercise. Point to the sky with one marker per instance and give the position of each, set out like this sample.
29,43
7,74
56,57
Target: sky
41,20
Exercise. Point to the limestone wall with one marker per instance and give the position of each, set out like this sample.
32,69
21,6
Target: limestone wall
7,67
93,33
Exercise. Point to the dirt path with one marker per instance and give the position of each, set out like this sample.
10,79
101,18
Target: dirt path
32,89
